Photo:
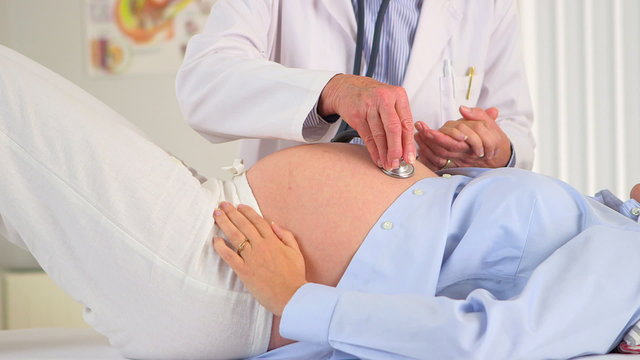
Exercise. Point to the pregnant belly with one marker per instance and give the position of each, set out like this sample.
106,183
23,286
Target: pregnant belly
329,196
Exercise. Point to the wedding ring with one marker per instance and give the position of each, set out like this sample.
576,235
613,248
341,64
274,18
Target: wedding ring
241,246
448,164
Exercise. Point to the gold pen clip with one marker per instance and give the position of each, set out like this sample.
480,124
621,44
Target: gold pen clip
471,74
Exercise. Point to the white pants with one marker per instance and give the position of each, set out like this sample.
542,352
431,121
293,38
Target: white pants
118,223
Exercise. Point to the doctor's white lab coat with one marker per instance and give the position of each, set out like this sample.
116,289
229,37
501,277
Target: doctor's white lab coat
259,66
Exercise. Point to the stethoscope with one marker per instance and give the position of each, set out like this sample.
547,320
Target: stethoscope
345,132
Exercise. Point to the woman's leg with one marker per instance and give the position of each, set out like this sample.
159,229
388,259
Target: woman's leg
122,226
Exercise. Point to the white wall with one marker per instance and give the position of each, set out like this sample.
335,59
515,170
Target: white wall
52,33
583,59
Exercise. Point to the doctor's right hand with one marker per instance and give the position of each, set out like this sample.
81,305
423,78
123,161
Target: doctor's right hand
379,112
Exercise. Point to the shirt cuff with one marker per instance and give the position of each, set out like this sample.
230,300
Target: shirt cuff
631,209
314,126
512,160
307,316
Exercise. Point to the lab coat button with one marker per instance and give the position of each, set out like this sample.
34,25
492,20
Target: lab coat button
387,225
635,211
418,192
446,175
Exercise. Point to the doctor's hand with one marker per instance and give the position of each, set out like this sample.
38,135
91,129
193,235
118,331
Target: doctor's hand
265,257
379,112
476,140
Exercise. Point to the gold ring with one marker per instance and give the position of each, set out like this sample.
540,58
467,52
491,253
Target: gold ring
448,164
241,246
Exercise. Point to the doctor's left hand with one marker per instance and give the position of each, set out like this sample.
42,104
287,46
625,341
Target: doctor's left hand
265,257
475,140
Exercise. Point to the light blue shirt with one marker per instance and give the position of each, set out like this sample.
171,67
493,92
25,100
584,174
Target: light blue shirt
507,264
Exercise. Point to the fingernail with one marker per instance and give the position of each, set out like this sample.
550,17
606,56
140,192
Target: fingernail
395,164
380,164
429,136
224,205
217,212
411,158
481,156
465,138
465,108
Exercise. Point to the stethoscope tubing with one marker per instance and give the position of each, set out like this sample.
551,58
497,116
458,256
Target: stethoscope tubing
345,131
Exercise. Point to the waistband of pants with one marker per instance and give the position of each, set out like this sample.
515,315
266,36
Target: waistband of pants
245,193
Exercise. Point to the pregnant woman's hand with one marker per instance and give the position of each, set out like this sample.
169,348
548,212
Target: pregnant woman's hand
265,256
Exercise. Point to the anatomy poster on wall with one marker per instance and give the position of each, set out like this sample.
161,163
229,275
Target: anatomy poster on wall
141,36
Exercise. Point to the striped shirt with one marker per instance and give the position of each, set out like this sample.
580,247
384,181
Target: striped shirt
396,40
398,31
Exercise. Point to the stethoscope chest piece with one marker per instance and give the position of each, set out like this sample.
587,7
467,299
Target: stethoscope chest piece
405,171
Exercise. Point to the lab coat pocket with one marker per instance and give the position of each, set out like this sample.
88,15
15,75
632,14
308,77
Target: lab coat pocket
447,102
467,90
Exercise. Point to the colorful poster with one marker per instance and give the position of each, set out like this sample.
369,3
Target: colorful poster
140,36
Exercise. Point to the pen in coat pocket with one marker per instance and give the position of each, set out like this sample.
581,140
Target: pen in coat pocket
471,73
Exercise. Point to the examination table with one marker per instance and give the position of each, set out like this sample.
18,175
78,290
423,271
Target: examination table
86,344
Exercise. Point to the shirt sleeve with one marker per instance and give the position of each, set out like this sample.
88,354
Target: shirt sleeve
315,126
629,208
540,322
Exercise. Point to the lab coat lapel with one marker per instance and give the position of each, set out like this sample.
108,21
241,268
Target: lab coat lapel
342,11
438,20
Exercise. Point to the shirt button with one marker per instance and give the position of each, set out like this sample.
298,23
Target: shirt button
635,211
418,192
387,225
446,175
